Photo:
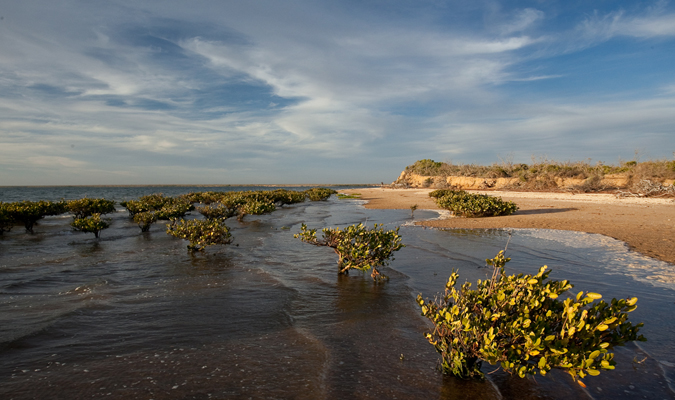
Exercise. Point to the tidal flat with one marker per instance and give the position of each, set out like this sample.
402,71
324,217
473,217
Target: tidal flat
134,315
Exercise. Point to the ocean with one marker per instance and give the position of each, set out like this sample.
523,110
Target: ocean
134,316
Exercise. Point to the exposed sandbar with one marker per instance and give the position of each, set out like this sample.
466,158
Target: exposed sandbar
647,225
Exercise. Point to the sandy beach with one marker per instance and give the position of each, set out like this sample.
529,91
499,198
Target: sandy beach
646,225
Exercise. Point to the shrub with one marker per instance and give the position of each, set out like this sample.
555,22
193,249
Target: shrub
200,233
92,223
357,247
145,220
319,194
83,208
217,211
255,207
6,218
136,206
174,209
443,192
29,212
519,322
472,205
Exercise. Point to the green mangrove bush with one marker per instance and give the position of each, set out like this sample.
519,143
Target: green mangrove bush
200,233
86,207
29,213
91,224
521,323
145,220
218,211
319,194
357,247
473,205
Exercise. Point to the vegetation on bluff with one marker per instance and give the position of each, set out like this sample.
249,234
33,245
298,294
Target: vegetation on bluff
543,174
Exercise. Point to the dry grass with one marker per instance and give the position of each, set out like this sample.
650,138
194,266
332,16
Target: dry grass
542,174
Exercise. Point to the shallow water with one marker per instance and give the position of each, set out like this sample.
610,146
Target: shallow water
133,315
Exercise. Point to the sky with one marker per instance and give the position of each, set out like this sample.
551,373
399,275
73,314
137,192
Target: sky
291,92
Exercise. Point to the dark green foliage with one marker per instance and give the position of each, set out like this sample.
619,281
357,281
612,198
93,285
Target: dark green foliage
218,211
519,322
93,224
319,194
164,208
425,167
29,212
176,208
256,207
145,219
200,233
472,205
444,192
357,246
83,208
6,218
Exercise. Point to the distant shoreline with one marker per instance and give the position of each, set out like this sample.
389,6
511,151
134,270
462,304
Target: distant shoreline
205,185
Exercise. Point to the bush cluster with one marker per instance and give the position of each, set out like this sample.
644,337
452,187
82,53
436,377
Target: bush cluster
200,233
520,323
91,224
357,247
473,205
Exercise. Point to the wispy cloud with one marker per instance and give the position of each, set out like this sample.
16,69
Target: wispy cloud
237,91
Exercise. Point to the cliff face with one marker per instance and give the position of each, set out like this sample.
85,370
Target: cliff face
408,179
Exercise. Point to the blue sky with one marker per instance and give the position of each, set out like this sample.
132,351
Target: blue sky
208,92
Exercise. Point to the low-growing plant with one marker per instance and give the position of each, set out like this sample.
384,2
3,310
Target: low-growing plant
217,211
342,196
85,207
91,224
255,207
29,212
200,233
412,210
6,219
145,220
436,194
319,194
357,247
520,323
473,205
174,209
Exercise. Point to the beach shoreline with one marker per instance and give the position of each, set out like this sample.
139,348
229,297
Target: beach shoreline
646,225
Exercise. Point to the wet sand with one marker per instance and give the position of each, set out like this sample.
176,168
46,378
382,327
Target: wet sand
646,225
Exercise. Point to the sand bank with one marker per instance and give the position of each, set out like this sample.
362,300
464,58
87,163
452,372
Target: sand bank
646,225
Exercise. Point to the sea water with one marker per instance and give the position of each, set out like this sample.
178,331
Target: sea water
135,316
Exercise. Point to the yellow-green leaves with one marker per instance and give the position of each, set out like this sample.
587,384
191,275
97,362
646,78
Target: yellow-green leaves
200,233
518,322
357,246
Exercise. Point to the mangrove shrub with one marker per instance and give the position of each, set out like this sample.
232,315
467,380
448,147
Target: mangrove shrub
473,205
91,224
200,233
85,207
357,247
520,323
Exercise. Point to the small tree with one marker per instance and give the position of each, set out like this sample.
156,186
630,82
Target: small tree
412,210
217,211
29,212
83,208
200,233
357,247
518,322
93,224
6,218
145,220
